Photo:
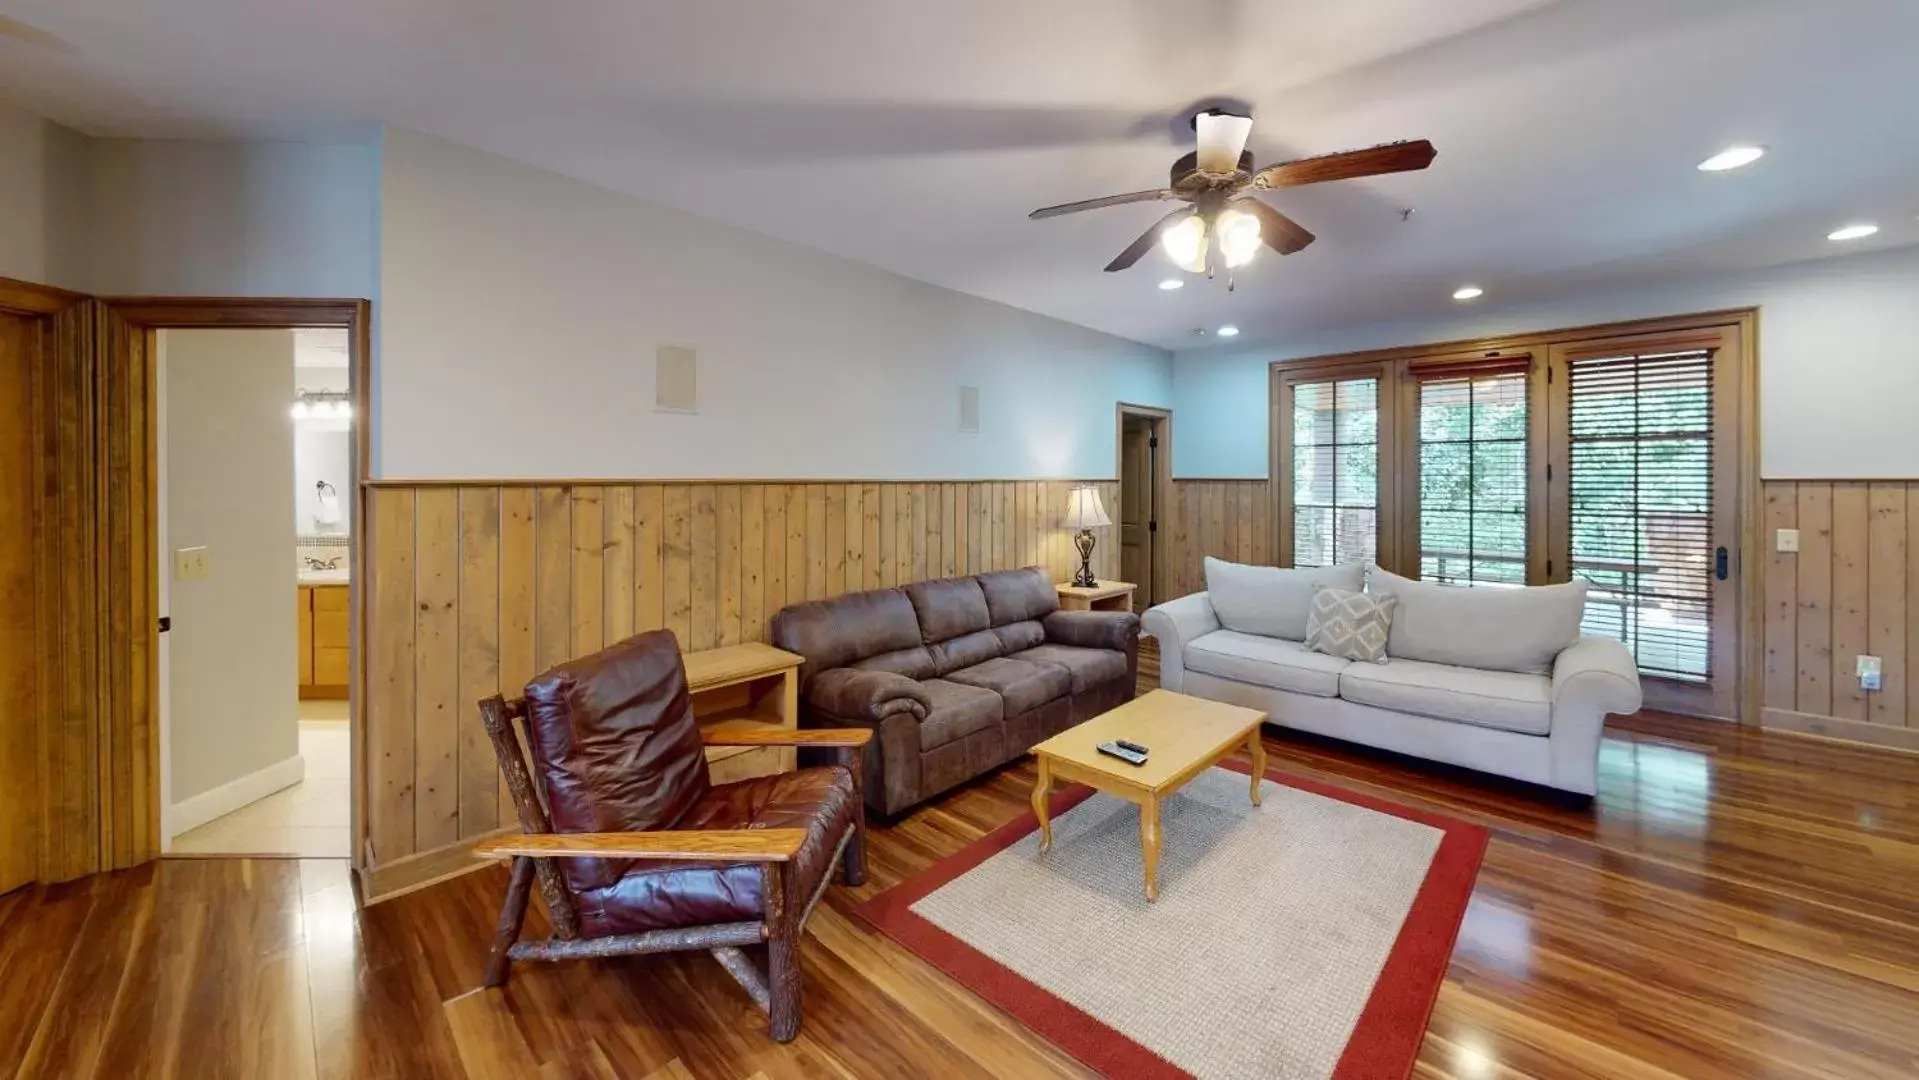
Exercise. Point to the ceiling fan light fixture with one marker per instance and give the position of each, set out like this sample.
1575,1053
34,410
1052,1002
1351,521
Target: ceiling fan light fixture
1185,243
1239,237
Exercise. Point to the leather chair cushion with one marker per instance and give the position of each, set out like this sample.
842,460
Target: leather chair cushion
965,650
656,894
1020,635
948,608
615,745
835,633
1021,685
958,710
1017,595
1086,667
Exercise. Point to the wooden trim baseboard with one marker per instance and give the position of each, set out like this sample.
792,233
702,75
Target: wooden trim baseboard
427,868
1840,729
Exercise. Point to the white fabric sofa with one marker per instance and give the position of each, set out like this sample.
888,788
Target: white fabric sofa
1494,679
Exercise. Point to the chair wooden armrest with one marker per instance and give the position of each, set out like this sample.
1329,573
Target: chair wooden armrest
787,737
691,845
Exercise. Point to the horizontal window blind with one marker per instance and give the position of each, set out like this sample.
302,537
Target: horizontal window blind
1472,478
1640,488
1335,472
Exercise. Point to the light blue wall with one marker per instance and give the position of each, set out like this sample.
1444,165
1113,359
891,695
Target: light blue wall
1838,359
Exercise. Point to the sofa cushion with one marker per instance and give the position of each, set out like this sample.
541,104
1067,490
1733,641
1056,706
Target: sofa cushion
836,632
1499,629
1021,684
965,650
1017,595
914,663
1087,667
1020,635
1265,661
948,608
1506,700
958,711
1271,602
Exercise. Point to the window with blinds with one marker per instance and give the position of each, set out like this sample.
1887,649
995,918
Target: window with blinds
1640,488
1335,472
1472,478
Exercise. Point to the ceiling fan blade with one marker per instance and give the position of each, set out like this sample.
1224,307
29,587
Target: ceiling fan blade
1279,232
1222,138
1347,165
1109,200
1142,245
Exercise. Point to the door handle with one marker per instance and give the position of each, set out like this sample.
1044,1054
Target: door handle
1719,563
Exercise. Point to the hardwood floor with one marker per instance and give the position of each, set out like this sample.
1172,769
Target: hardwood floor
1734,904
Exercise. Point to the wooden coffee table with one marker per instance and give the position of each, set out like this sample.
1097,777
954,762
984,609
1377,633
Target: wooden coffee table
1184,736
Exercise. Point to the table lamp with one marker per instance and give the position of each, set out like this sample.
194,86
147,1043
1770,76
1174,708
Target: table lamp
1085,513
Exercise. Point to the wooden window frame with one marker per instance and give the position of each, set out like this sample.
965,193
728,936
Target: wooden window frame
1735,330
1461,365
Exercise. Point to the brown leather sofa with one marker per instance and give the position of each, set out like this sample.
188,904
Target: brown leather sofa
955,676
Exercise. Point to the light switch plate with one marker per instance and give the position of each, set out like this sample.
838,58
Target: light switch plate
192,564
1788,540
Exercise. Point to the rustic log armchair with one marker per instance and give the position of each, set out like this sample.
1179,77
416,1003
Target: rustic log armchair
636,851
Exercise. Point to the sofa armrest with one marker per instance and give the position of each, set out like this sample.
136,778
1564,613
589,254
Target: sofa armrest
1594,677
866,696
1174,624
1116,630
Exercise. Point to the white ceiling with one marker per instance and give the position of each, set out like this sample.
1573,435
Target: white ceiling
916,135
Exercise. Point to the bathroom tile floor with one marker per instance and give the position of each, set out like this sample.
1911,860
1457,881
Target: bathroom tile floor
308,820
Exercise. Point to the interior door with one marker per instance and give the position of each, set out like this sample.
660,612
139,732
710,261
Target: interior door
1136,505
1645,505
19,775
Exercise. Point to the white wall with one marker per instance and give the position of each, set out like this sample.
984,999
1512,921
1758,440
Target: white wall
520,313
232,671
233,218
43,169
1838,365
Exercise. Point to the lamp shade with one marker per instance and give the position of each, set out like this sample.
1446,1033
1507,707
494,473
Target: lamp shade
1085,511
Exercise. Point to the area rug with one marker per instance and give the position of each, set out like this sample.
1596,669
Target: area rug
1305,939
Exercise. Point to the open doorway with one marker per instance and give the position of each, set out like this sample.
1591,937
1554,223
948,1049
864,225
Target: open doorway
1145,441
254,445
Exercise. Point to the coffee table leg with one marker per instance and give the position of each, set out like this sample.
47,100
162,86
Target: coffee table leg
1149,845
1042,804
1257,748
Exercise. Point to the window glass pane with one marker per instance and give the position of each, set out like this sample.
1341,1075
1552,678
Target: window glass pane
1472,479
1312,536
1313,414
1335,467
1356,536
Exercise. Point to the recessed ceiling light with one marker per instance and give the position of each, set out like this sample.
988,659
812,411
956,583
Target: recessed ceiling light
1853,232
1171,283
1732,157
1468,292
1229,330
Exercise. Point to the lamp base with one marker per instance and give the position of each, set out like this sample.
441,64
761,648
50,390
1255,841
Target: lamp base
1084,579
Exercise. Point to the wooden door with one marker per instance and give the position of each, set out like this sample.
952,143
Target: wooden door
1136,505
1645,505
19,463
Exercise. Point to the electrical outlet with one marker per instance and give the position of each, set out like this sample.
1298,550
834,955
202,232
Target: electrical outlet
1788,540
1869,673
192,564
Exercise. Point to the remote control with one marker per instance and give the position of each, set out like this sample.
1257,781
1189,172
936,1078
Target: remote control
1124,744
1130,757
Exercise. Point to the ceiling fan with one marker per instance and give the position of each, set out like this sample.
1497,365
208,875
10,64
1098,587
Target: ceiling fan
1215,181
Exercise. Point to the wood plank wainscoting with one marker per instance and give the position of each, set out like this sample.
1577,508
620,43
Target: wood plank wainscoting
475,587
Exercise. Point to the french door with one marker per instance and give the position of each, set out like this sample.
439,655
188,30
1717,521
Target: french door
1609,455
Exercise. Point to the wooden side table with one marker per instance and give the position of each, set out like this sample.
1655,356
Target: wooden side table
746,687
1106,596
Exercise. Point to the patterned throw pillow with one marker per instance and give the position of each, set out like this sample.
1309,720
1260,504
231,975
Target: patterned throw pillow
1351,625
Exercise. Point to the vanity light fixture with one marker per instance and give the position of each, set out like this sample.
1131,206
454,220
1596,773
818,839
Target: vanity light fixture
321,405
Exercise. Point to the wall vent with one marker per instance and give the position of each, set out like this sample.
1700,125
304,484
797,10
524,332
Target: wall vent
676,380
969,410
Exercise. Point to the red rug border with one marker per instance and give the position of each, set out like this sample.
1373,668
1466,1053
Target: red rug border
1386,1038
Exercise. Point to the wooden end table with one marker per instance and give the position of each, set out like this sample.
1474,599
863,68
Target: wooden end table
1105,596
746,688
1185,736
